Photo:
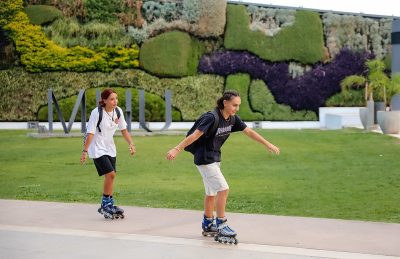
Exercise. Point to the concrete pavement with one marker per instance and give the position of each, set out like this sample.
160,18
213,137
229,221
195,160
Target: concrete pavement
30,229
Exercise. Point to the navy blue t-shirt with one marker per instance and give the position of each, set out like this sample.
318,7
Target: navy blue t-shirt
214,143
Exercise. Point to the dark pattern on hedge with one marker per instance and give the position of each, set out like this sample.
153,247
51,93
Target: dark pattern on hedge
306,92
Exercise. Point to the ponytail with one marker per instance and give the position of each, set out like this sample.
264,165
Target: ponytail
226,96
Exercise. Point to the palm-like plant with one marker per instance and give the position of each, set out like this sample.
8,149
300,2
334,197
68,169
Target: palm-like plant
375,81
392,88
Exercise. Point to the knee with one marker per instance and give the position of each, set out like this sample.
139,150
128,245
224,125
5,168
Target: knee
110,175
223,193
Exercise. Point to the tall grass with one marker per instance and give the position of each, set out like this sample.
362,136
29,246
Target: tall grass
69,33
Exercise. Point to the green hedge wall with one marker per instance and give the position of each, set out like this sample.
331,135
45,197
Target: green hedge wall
263,101
303,41
154,106
27,92
41,14
173,54
240,83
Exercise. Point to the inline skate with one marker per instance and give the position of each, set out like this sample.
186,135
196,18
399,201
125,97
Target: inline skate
224,232
110,211
209,227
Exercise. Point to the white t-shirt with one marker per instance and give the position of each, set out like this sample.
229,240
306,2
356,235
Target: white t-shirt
103,142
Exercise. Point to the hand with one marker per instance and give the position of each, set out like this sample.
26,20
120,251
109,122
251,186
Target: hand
83,158
132,149
272,148
172,154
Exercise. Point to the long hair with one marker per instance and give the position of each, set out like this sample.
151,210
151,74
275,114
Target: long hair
104,96
226,96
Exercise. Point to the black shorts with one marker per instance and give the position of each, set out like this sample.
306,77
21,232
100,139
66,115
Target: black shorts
105,164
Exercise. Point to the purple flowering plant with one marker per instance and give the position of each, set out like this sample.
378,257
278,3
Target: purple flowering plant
307,92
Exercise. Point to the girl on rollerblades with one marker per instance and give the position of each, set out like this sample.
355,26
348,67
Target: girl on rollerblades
207,158
103,122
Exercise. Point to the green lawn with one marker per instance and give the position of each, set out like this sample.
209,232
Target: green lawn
342,174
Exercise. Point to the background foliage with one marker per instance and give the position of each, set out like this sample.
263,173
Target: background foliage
173,54
154,106
38,53
303,41
240,83
203,19
180,41
263,101
191,95
42,14
68,33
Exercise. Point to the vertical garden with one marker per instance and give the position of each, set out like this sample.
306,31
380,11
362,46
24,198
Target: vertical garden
286,63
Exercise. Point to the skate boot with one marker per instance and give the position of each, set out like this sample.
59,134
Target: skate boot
225,233
209,227
119,212
107,209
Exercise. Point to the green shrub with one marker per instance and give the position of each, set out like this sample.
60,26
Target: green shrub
263,101
27,92
240,83
8,11
339,100
173,54
81,59
388,61
303,41
154,106
42,14
103,11
69,33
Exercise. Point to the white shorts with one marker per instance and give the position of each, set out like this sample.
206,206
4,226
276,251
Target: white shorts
213,179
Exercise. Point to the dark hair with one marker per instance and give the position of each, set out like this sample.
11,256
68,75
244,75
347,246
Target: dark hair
104,96
226,96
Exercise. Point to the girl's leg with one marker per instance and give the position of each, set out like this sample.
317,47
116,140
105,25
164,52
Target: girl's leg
109,183
221,203
209,203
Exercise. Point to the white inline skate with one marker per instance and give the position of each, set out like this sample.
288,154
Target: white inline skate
225,233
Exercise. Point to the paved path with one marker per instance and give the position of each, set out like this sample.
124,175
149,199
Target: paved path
32,229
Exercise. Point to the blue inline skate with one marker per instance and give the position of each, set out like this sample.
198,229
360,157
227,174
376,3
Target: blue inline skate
224,232
110,211
119,211
209,227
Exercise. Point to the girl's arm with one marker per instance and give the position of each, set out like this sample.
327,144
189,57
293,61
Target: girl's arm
128,139
173,153
256,137
89,138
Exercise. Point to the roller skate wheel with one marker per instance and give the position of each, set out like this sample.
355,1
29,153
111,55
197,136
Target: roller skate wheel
235,242
216,238
220,240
